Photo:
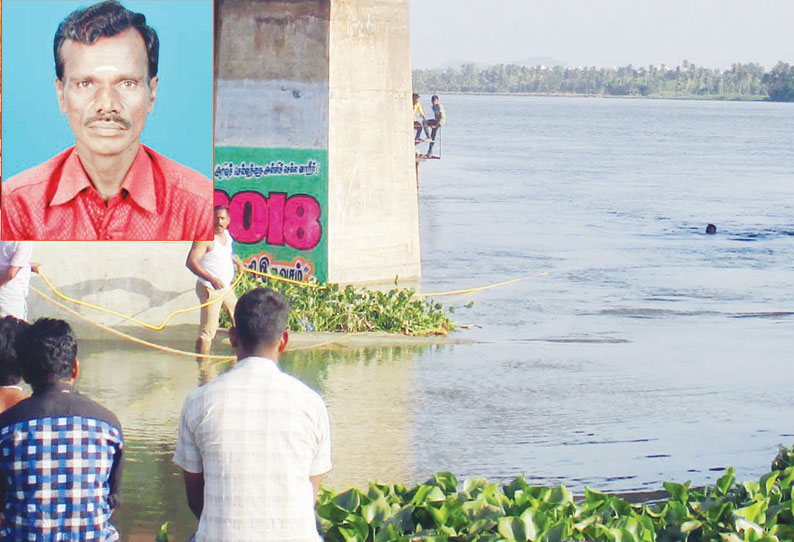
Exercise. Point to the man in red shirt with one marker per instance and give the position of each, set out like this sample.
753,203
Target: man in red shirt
109,185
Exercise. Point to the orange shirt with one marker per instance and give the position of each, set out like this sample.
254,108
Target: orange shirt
159,200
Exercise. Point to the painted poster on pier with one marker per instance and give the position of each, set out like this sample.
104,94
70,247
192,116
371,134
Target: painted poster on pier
277,200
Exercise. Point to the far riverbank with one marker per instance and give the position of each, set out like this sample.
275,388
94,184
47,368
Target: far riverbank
736,98
742,81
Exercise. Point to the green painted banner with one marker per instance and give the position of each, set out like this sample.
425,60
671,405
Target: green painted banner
278,200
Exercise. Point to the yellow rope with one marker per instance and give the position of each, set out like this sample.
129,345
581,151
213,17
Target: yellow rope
288,281
470,290
168,349
159,327
130,337
439,294
218,298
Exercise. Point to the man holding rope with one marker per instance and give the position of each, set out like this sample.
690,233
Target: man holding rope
213,262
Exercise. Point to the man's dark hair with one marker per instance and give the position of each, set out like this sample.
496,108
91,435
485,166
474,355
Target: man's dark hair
261,318
10,369
104,20
46,350
220,208
434,97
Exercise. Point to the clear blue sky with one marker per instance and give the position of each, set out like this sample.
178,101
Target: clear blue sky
711,33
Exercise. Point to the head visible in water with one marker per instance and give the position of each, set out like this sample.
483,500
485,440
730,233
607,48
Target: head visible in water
711,228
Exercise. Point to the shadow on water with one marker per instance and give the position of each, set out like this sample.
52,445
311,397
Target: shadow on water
367,391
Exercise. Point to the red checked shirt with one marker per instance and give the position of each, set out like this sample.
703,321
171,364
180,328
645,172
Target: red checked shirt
159,200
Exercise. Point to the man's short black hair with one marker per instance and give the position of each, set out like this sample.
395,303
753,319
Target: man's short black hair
261,318
434,97
104,20
10,369
46,350
220,208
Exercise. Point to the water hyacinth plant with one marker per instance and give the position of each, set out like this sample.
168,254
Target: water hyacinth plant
478,511
351,310
487,512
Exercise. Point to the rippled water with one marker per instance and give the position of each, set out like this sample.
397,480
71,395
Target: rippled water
635,349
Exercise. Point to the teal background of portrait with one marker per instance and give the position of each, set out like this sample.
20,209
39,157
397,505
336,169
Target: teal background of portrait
181,125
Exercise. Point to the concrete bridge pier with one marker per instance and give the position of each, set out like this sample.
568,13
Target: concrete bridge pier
324,85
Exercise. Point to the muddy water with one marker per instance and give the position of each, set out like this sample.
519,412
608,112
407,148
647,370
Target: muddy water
370,393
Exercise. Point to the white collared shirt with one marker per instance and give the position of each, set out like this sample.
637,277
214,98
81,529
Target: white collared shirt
257,434
14,292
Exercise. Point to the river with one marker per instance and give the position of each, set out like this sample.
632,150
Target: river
635,349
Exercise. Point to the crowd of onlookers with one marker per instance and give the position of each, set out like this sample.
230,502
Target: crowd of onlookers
253,443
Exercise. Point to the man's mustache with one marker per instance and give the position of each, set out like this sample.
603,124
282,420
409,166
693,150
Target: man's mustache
117,119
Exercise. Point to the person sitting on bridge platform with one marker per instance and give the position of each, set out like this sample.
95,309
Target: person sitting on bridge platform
436,123
419,113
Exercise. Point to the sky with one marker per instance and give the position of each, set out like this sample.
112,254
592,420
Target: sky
602,33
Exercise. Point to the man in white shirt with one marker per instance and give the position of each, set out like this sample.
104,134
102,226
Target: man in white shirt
14,277
213,262
255,442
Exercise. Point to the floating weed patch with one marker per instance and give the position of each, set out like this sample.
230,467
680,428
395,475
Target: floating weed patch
436,511
479,511
351,310
441,510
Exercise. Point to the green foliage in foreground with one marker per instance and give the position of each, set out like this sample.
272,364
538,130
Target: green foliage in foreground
438,511
355,309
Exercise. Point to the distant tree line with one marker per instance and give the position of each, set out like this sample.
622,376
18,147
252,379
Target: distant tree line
742,81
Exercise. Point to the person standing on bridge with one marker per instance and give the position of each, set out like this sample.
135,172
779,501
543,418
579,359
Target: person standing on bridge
213,262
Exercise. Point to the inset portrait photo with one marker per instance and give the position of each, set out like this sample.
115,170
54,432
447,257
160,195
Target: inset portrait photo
107,120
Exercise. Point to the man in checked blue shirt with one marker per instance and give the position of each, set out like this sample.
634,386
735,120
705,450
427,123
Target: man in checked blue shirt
60,452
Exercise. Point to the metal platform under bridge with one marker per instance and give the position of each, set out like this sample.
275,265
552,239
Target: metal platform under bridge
423,148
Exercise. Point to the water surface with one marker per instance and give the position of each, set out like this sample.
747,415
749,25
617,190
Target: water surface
635,350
